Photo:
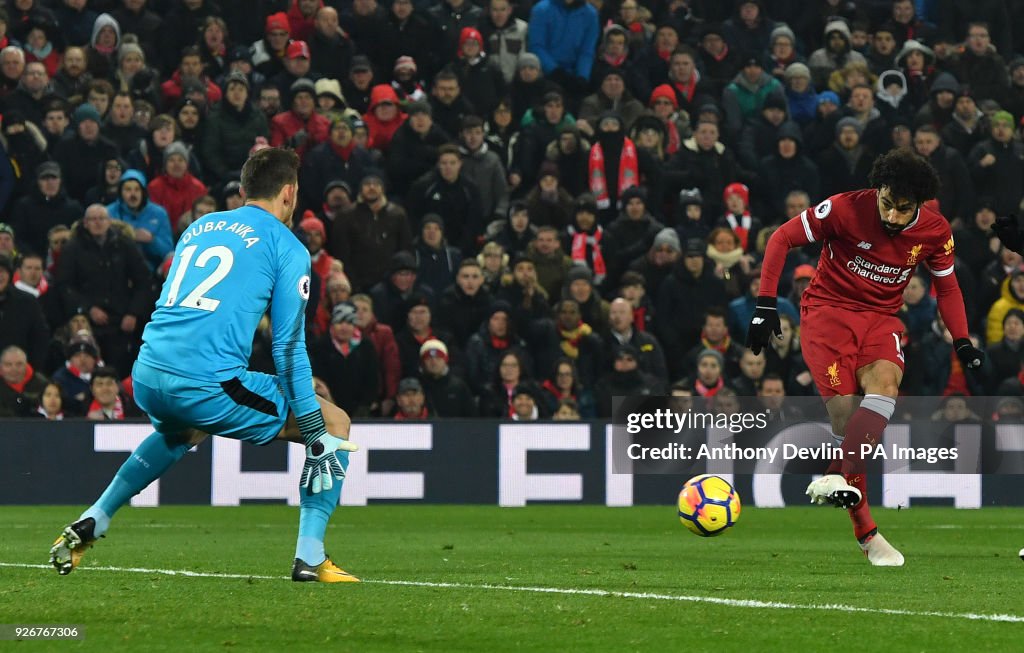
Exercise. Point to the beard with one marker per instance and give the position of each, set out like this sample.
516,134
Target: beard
893,229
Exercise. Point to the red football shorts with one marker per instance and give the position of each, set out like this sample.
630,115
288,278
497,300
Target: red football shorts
836,342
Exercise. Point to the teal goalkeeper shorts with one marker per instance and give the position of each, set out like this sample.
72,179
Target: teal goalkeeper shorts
250,407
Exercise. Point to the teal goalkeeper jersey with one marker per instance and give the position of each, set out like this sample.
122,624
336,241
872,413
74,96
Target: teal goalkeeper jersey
229,268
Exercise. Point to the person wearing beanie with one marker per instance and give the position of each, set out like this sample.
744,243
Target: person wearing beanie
268,53
1007,354
548,203
782,51
801,97
344,359
787,169
614,164
745,96
84,153
997,163
480,76
446,393
612,95
759,134
398,288
836,52
301,127
176,188
635,228
46,206
413,149
339,158
846,163
231,128
665,106
417,326
406,81
968,125
626,379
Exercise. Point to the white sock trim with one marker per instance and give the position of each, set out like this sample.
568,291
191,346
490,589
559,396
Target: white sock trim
880,404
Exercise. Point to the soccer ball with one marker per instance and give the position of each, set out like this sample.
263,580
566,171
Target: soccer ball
708,505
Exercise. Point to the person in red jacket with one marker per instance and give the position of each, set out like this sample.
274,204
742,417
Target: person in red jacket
189,73
176,188
384,117
301,127
384,344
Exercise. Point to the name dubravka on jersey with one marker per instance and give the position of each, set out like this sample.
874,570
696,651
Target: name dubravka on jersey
240,229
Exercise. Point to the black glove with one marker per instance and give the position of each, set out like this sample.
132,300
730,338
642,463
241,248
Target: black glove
970,356
1008,230
298,139
763,325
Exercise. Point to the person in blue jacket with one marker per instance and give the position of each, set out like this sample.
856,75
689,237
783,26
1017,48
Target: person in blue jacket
150,222
563,34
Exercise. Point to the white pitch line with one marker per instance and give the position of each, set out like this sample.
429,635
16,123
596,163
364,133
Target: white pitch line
735,603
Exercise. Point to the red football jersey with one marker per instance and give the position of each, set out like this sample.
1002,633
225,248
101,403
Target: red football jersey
862,266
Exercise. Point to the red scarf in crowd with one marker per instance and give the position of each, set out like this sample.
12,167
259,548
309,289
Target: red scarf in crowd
20,387
615,61
741,227
673,143
343,152
708,391
580,241
629,172
689,87
499,343
116,413
640,318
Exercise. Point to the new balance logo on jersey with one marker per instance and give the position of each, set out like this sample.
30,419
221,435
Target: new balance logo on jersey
864,244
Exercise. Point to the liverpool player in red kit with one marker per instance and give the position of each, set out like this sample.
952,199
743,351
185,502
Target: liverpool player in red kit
872,241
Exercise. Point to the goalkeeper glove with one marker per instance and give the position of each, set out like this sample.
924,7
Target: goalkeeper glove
763,325
1008,230
322,466
970,356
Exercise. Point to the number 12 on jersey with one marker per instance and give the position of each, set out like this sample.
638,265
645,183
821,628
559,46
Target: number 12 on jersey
196,298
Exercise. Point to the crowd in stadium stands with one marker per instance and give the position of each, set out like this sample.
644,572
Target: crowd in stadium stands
513,210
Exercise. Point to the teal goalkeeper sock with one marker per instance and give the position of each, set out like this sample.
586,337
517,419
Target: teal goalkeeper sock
148,462
314,512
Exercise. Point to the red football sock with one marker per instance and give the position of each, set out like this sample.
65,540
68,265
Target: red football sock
860,514
865,427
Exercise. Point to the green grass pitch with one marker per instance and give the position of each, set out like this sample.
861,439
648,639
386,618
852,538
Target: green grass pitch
479,572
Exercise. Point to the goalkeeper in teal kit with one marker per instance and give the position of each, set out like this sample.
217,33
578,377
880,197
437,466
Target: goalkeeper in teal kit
191,377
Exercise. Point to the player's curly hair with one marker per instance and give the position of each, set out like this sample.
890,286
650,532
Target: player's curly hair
906,174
